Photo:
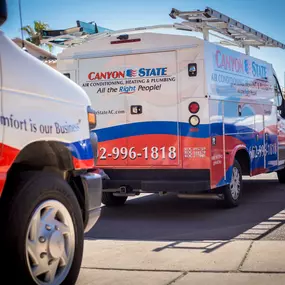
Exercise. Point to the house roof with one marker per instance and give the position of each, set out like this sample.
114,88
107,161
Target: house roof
73,35
30,46
50,61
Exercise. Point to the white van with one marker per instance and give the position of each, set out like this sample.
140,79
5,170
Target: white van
181,114
49,194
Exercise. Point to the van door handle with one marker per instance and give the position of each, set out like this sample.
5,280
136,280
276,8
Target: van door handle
136,109
239,110
266,137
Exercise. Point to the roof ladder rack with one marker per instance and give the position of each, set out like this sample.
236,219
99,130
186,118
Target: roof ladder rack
212,20
232,32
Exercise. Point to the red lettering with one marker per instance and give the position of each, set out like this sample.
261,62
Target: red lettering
228,63
106,75
233,63
241,66
91,76
218,54
121,74
223,62
109,74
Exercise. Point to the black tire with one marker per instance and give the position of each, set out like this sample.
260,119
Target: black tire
281,176
32,189
229,201
108,199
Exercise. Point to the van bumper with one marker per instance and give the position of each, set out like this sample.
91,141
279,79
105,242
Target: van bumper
157,180
92,183
94,144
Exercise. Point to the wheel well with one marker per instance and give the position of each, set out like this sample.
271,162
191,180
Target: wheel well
243,159
47,156
76,184
39,155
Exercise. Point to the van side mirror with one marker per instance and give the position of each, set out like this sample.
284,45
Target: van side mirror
281,108
3,11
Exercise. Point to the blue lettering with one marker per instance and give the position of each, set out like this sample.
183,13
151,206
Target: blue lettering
254,69
264,71
152,72
141,72
127,89
258,70
147,71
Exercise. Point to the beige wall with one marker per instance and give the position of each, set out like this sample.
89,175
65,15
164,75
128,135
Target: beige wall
52,64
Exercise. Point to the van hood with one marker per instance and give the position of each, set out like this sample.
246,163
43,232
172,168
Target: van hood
25,73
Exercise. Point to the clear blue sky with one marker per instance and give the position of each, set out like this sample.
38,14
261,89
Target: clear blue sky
267,16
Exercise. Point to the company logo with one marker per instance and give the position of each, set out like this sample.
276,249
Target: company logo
238,65
128,73
131,73
247,67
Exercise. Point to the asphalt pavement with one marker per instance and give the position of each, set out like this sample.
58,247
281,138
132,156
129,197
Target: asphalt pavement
167,240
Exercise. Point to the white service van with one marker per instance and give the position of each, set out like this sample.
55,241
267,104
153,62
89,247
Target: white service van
49,194
181,114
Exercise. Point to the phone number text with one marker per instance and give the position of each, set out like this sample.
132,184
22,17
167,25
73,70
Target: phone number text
153,152
262,150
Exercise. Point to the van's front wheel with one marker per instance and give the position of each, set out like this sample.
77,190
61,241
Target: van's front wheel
232,192
43,231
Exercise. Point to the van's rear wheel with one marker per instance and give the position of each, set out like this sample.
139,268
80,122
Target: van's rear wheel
233,191
108,199
43,231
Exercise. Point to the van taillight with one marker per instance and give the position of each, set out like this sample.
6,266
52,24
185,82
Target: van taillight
194,107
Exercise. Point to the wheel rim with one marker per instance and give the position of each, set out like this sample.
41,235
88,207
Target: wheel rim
235,183
50,243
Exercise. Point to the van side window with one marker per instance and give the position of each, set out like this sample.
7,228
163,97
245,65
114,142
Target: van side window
278,96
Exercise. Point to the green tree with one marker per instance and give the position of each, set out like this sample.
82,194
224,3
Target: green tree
34,33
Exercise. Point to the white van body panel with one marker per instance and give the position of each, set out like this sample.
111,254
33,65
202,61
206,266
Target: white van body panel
236,95
32,110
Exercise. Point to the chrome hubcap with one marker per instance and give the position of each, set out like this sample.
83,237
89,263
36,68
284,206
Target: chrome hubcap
235,184
56,244
50,243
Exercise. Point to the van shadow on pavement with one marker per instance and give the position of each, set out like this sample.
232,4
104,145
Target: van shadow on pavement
168,218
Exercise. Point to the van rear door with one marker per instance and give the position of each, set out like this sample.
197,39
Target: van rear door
101,78
152,110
